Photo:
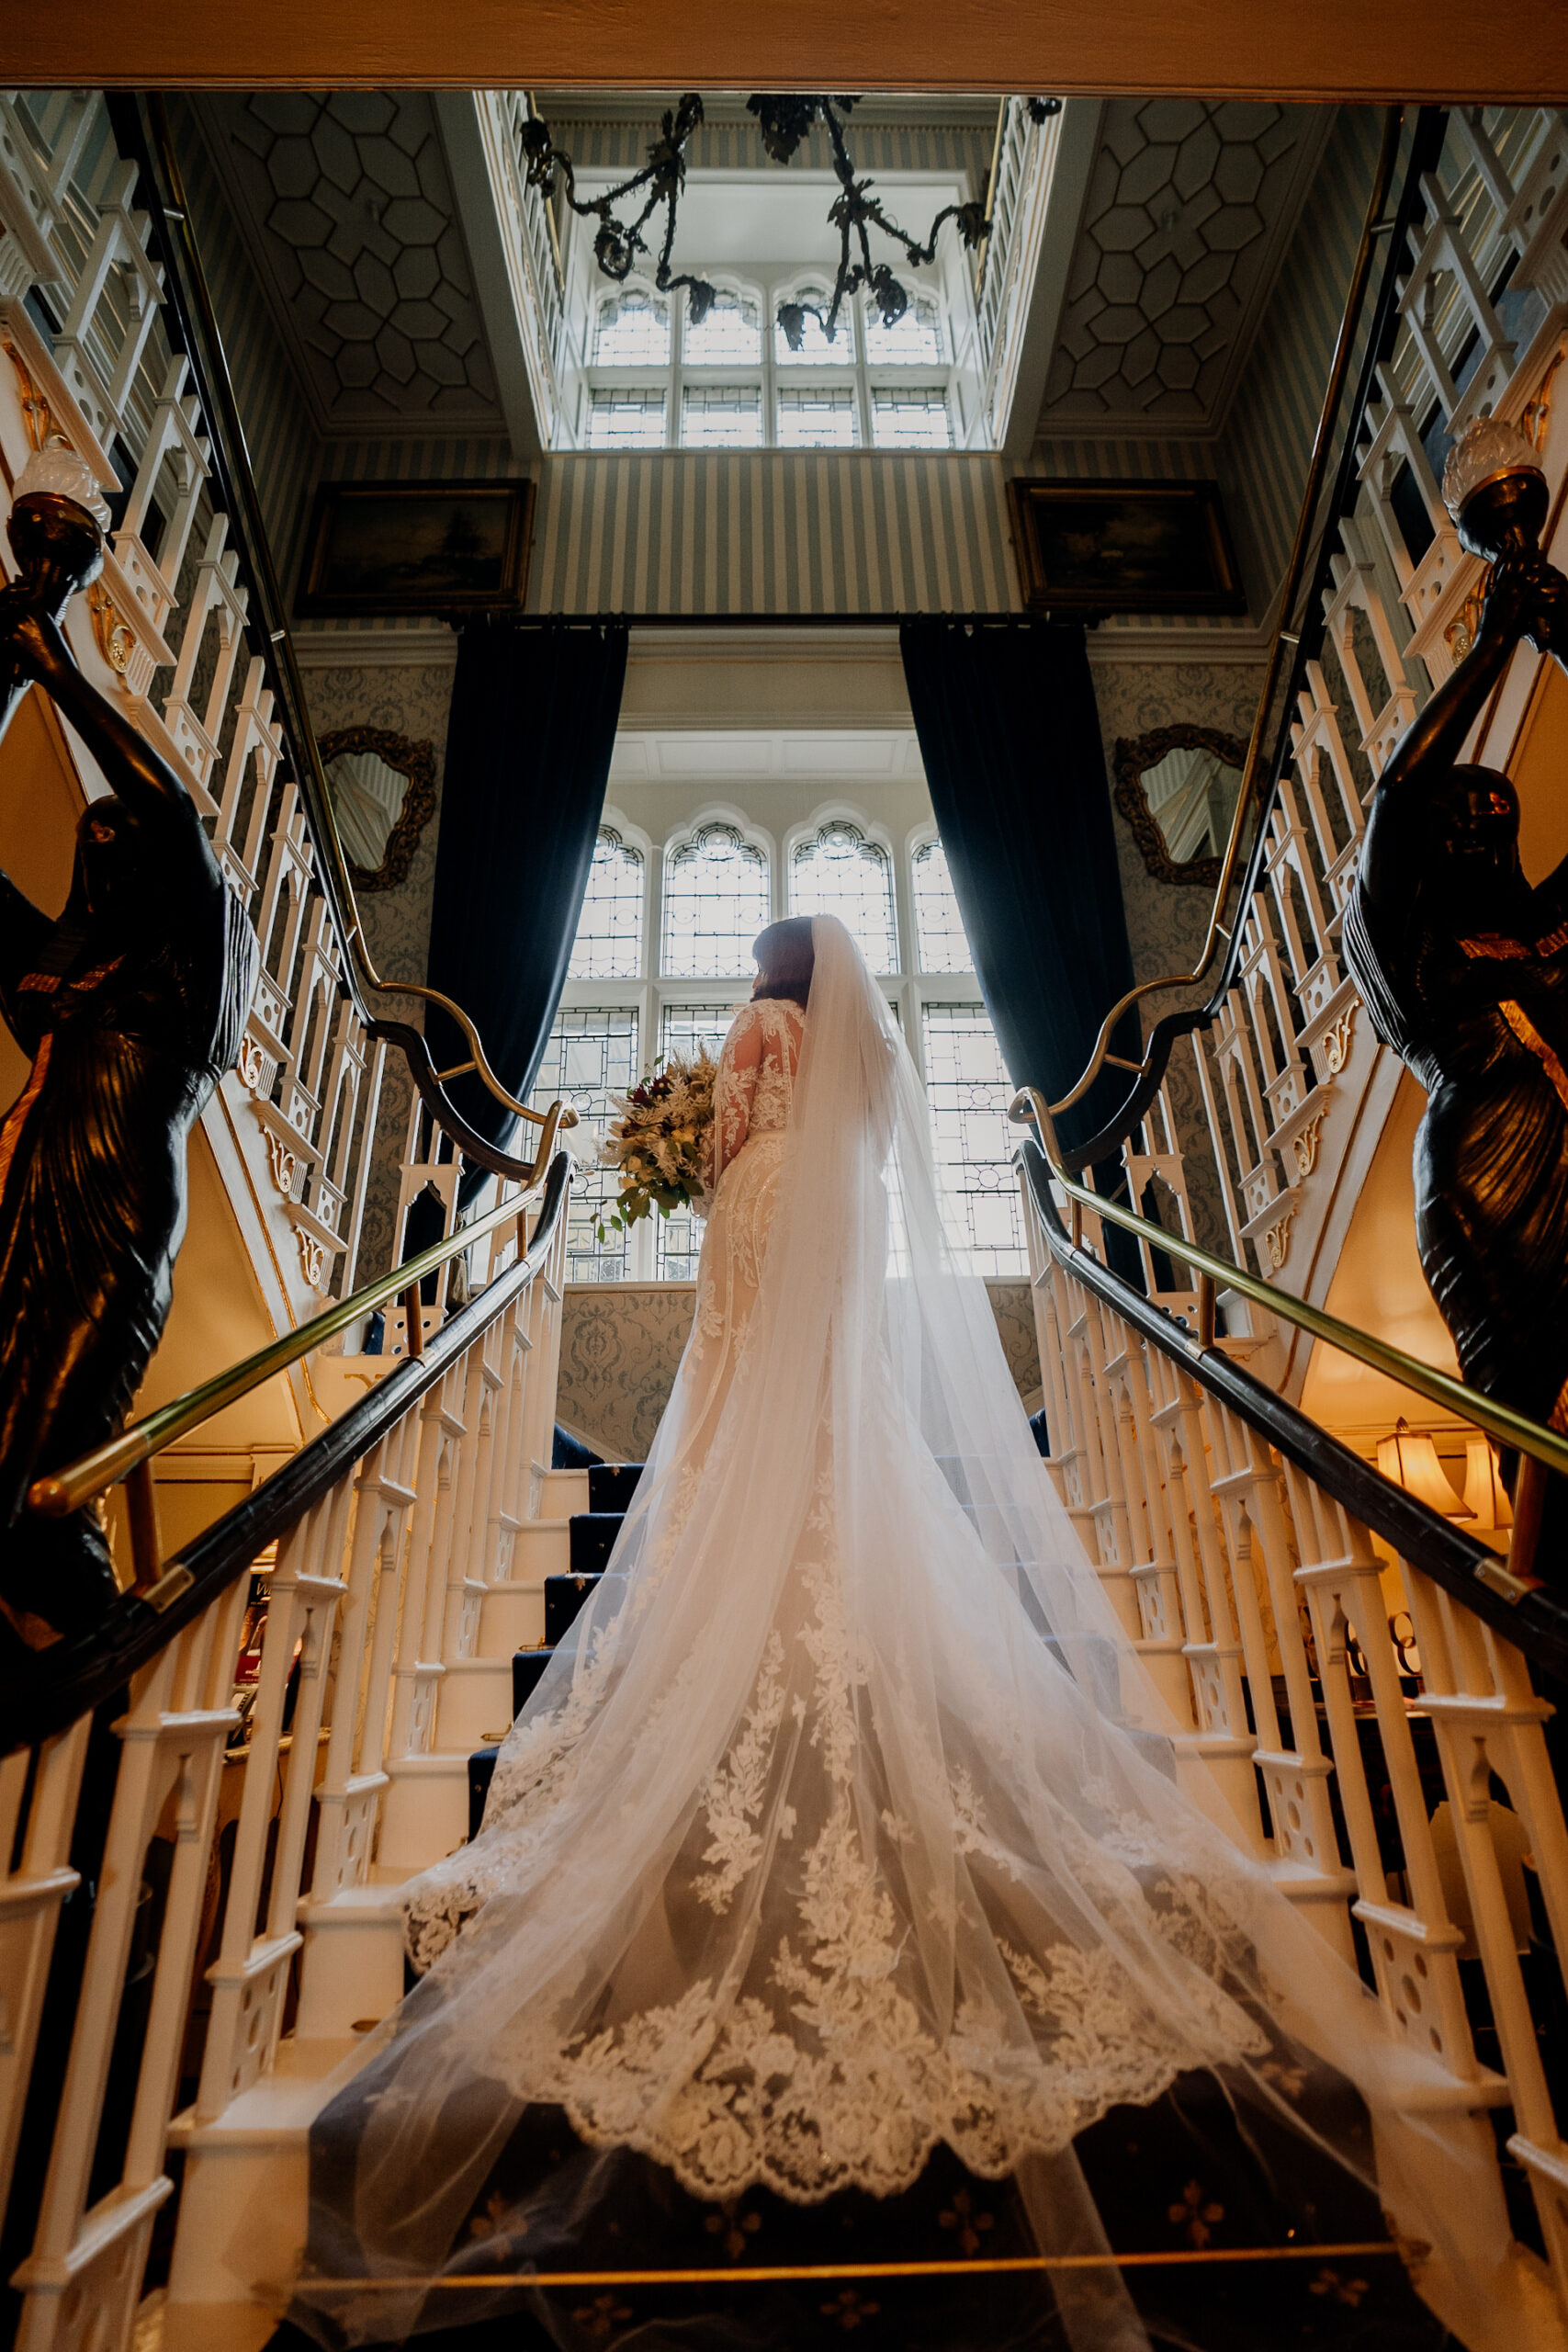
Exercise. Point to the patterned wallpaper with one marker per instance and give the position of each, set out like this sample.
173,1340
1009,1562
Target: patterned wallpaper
621,1345
413,702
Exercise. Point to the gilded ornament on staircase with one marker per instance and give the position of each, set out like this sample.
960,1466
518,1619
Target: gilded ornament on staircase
312,1257
252,1065
1303,1143
117,639
1336,1041
36,411
283,1163
1277,1240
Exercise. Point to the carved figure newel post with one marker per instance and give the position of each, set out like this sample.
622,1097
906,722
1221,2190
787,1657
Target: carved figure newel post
130,1005
1464,967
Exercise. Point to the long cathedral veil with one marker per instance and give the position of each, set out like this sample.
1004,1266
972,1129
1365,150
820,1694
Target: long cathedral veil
847,1820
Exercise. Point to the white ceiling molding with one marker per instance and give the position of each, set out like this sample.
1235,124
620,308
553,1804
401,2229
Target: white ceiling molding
1045,242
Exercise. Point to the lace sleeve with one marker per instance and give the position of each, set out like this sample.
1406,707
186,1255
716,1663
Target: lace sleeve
734,1090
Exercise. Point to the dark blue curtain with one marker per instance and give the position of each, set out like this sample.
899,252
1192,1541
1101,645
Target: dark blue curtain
528,744
1009,735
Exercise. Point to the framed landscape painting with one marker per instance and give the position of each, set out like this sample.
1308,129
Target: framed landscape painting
1089,548
416,547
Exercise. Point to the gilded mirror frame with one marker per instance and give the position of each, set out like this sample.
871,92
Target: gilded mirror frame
1135,754
416,761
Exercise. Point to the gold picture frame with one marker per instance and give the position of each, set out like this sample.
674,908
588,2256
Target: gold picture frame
1086,548
433,549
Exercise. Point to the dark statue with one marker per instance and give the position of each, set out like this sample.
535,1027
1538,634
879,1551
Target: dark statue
130,1006
1464,969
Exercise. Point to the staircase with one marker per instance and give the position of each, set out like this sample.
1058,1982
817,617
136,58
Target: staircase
608,1488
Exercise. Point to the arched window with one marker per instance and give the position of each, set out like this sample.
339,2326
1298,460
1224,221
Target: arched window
916,340
632,329
716,902
608,945
836,871
730,336
939,927
968,1091
814,351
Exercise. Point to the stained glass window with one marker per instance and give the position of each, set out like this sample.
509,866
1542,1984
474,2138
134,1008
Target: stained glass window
592,1053
716,902
914,341
816,351
721,416
686,1028
632,331
968,1089
608,945
910,416
939,927
730,336
838,872
626,420
817,416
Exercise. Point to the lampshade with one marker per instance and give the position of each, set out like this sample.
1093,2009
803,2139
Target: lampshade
1410,1459
56,472
1485,1493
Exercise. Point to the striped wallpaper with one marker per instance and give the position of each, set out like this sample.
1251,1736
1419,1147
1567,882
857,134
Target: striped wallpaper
284,450
771,531
1268,437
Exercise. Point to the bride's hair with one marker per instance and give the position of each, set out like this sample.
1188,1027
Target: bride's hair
784,960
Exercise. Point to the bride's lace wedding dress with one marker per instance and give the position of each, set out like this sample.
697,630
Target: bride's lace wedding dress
847,1822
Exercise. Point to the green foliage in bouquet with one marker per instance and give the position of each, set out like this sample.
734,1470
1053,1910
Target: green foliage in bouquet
658,1141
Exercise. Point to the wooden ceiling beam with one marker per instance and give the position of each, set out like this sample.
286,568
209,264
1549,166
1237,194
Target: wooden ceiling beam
1325,50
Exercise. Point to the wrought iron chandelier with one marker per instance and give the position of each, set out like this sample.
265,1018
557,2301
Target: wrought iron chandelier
784,123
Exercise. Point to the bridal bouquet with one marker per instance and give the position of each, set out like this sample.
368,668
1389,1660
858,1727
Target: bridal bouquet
657,1142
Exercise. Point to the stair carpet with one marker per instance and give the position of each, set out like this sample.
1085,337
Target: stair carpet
592,1539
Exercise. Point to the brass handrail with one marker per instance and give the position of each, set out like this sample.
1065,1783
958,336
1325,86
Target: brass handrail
176,222
83,1481
1499,1421
1285,636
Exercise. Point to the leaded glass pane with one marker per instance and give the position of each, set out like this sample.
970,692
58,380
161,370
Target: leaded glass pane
716,902
969,1091
592,1055
915,342
817,416
730,336
721,416
632,331
685,1030
839,872
910,416
816,351
632,419
608,945
939,927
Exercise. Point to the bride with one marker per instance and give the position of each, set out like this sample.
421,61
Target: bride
846,1825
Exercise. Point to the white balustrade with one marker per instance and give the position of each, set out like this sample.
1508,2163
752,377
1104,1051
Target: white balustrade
390,1610
1269,1621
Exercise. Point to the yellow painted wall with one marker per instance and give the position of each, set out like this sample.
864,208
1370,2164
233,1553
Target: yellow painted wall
1538,767
40,801
1378,1286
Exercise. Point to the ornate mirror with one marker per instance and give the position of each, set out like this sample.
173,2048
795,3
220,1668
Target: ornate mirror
1177,787
383,789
